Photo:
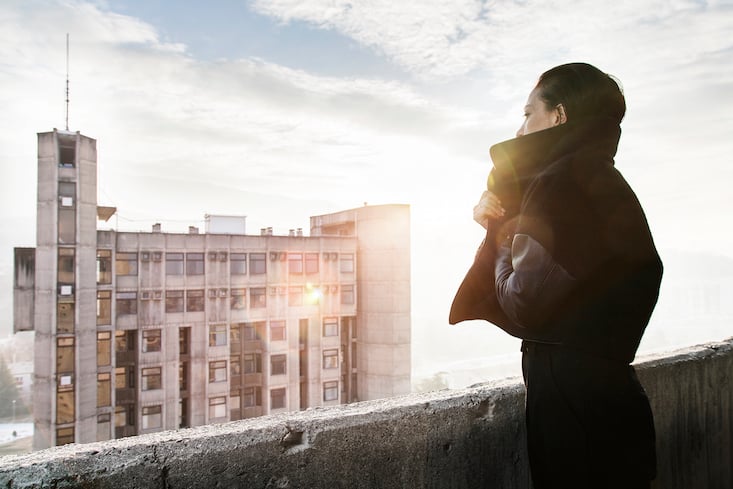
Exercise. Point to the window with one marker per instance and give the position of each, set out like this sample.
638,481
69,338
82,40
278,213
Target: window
183,376
151,378
330,327
64,436
346,263
347,294
252,363
66,266
238,263
218,335
277,330
257,297
120,416
238,301
257,263
123,379
104,348
235,367
350,322
218,371
67,213
67,194
331,391
126,303
104,389
295,263
65,315
330,359
295,296
235,402
174,263
311,263
152,417
252,396
125,340
126,263
194,300
65,404
253,331
104,266
235,338
183,413
67,225
173,301
67,151
278,364
277,398
217,407
104,307
65,355
151,340
303,332
184,335
194,263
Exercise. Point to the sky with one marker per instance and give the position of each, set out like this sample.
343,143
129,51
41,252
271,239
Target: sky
284,109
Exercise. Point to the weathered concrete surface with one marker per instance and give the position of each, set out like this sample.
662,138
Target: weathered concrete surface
448,439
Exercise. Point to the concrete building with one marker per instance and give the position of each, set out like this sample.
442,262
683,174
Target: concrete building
138,332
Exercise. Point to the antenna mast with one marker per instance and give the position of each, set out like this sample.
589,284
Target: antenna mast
67,81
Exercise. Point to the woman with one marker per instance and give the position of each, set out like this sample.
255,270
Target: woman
569,266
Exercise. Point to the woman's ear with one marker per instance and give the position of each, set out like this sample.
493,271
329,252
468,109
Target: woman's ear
560,116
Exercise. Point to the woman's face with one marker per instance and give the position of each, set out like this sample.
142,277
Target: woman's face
538,117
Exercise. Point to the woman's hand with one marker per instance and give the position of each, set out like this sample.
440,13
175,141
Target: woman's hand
487,209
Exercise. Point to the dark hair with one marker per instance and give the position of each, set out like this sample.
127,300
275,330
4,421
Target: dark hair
584,91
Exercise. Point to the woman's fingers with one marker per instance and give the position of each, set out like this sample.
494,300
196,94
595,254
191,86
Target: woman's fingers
491,205
488,208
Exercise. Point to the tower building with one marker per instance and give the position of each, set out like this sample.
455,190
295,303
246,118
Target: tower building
137,332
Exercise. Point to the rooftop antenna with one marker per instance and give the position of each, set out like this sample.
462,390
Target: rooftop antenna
67,81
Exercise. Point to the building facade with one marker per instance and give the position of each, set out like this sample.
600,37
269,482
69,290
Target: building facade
137,332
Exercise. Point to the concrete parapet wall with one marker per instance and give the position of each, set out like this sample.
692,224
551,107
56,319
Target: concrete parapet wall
447,439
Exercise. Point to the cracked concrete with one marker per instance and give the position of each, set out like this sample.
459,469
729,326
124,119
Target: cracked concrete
465,438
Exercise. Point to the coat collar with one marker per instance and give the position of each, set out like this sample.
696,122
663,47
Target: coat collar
526,156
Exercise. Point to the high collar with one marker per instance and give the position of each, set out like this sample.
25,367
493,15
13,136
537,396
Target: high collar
526,156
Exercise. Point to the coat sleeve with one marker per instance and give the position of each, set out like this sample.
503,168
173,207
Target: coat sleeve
530,284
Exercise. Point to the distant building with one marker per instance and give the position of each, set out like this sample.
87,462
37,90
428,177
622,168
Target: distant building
137,332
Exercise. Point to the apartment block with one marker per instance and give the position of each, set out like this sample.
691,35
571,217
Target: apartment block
137,332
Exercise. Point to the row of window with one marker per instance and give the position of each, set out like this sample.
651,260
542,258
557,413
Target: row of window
152,340
177,301
178,263
151,377
247,397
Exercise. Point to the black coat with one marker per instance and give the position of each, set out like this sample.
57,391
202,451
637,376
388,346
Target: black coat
573,262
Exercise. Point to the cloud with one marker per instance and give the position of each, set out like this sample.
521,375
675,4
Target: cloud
159,113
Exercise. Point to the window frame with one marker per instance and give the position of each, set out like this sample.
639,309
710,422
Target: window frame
174,263
218,335
218,371
174,301
151,378
237,263
278,364
152,340
257,263
195,264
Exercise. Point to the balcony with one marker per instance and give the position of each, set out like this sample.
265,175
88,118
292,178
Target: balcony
467,438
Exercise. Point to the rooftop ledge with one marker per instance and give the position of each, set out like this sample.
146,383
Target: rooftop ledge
451,438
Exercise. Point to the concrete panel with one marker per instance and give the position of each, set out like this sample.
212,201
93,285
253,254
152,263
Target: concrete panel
470,438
